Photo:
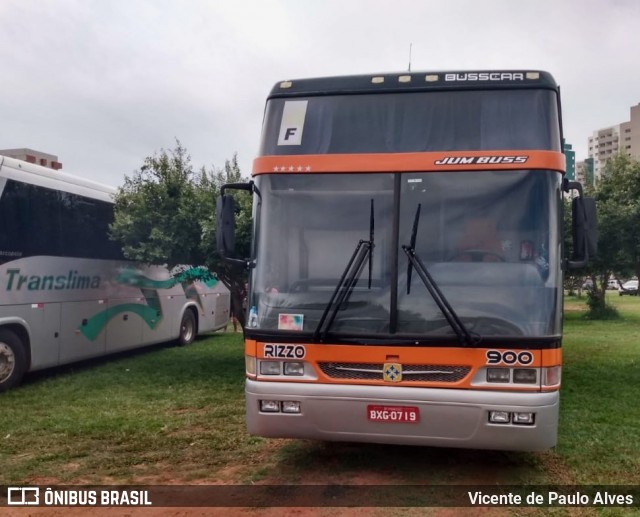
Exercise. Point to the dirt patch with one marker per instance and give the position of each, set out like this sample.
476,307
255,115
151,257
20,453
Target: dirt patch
387,470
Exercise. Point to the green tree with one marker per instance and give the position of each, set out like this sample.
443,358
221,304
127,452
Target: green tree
618,197
165,214
233,276
618,205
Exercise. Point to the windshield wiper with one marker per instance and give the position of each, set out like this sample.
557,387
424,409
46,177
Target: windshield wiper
464,336
348,280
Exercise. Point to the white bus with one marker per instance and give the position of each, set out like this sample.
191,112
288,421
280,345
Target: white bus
66,291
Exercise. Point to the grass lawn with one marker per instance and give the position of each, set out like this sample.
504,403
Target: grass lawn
170,415
600,419
132,417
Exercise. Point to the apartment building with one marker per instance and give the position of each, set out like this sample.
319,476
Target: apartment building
31,156
607,142
584,172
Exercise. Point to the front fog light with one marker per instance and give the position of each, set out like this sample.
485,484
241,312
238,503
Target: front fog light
293,368
499,417
269,406
498,374
523,418
291,406
269,368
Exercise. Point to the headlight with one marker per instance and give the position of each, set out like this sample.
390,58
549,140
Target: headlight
269,367
293,368
498,374
524,375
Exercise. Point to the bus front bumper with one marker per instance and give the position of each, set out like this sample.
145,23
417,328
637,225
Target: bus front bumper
446,417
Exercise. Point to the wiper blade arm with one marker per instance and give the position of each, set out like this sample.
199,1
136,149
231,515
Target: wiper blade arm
348,280
412,245
371,244
464,336
345,285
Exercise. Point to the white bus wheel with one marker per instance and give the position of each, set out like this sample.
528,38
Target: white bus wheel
187,328
13,359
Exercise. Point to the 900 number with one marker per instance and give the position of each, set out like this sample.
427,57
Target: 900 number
509,357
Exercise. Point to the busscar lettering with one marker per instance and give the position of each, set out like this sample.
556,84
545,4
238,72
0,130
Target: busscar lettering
485,76
284,351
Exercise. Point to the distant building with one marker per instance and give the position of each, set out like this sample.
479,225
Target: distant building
621,138
570,157
584,172
31,156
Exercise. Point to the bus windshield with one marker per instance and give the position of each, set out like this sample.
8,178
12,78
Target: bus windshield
414,122
497,263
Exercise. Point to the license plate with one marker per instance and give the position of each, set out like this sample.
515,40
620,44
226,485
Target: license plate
394,414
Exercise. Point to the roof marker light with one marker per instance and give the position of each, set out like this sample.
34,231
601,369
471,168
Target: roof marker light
286,84
377,80
431,78
404,79
533,75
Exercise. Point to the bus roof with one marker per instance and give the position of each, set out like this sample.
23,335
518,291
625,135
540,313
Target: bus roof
415,81
26,172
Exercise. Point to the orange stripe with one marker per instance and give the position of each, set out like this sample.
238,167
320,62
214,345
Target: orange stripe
450,356
552,357
437,355
250,347
411,162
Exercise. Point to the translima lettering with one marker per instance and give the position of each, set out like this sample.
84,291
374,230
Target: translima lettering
72,280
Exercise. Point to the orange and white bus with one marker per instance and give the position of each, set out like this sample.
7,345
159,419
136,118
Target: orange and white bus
406,268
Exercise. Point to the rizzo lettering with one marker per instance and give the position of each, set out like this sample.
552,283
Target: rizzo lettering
284,351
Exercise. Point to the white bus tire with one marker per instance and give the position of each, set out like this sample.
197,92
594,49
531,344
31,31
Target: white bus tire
13,359
188,328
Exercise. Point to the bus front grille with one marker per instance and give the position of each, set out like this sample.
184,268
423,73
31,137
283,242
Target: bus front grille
410,372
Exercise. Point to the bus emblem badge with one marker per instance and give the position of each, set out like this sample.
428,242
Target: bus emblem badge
392,372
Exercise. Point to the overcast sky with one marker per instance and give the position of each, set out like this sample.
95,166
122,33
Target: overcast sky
105,83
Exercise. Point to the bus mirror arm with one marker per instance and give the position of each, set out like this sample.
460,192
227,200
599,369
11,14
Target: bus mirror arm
226,223
584,227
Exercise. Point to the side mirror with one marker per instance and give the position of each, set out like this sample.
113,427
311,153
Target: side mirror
226,223
584,230
226,226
